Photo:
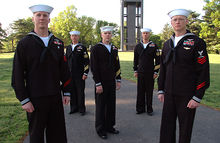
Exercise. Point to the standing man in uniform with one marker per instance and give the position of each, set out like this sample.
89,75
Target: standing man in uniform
146,67
78,62
183,79
39,67
105,67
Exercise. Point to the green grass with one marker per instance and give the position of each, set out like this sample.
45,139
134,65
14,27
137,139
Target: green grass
212,95
13,123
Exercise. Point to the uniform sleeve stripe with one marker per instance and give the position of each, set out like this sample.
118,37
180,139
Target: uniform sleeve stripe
66,94
200,85
196,99
25,101
67,82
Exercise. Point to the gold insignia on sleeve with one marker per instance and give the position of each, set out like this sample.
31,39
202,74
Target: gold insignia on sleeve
85,56
157,67
86,67
158,53
117,58
118,72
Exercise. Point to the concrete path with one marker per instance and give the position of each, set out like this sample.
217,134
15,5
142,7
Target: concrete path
135,128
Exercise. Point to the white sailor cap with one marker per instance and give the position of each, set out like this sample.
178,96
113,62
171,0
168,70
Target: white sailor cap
74,33
146,30
175,12
107,28
41,7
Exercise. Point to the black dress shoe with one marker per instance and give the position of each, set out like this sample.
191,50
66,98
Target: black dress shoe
140,112
113,131
102,135
72,112
150,113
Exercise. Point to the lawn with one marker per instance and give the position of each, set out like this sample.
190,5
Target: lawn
13,123
212,95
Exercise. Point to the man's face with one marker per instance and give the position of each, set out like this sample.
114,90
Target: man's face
179,22
41,19
106,36
74,38
145,35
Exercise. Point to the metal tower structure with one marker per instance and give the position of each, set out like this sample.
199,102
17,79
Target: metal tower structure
131,23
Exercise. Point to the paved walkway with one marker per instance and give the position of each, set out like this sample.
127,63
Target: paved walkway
135,128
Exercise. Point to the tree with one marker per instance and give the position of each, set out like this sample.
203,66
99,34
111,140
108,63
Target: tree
211,26
64,23
2,36
166,33
116,39
194,23
22,27
101,23
85,25
156,39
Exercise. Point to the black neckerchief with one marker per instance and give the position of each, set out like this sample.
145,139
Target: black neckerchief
172,50
46,49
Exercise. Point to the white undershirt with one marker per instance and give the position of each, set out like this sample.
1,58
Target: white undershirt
73,46
177,39
45,40
145,45
108,47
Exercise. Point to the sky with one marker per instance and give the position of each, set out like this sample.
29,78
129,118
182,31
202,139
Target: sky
155,11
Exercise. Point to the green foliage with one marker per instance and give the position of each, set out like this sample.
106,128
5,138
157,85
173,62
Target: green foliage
101,23
156,39
166,33
64,23
194,23
85,25
67,21
211,26
2,36
22,27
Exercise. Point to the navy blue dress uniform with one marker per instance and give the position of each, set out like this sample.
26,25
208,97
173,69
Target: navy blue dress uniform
78,62
36,77
184,75
105,67
38,72
146,64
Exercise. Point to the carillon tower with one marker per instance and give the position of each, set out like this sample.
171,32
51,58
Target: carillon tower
131,23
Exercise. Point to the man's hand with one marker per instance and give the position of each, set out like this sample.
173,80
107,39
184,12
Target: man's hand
155,76
28,107
99,89
118,85
192,104
84,77
66,100
161,97
135,74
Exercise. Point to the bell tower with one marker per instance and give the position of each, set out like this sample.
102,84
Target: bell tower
131,23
